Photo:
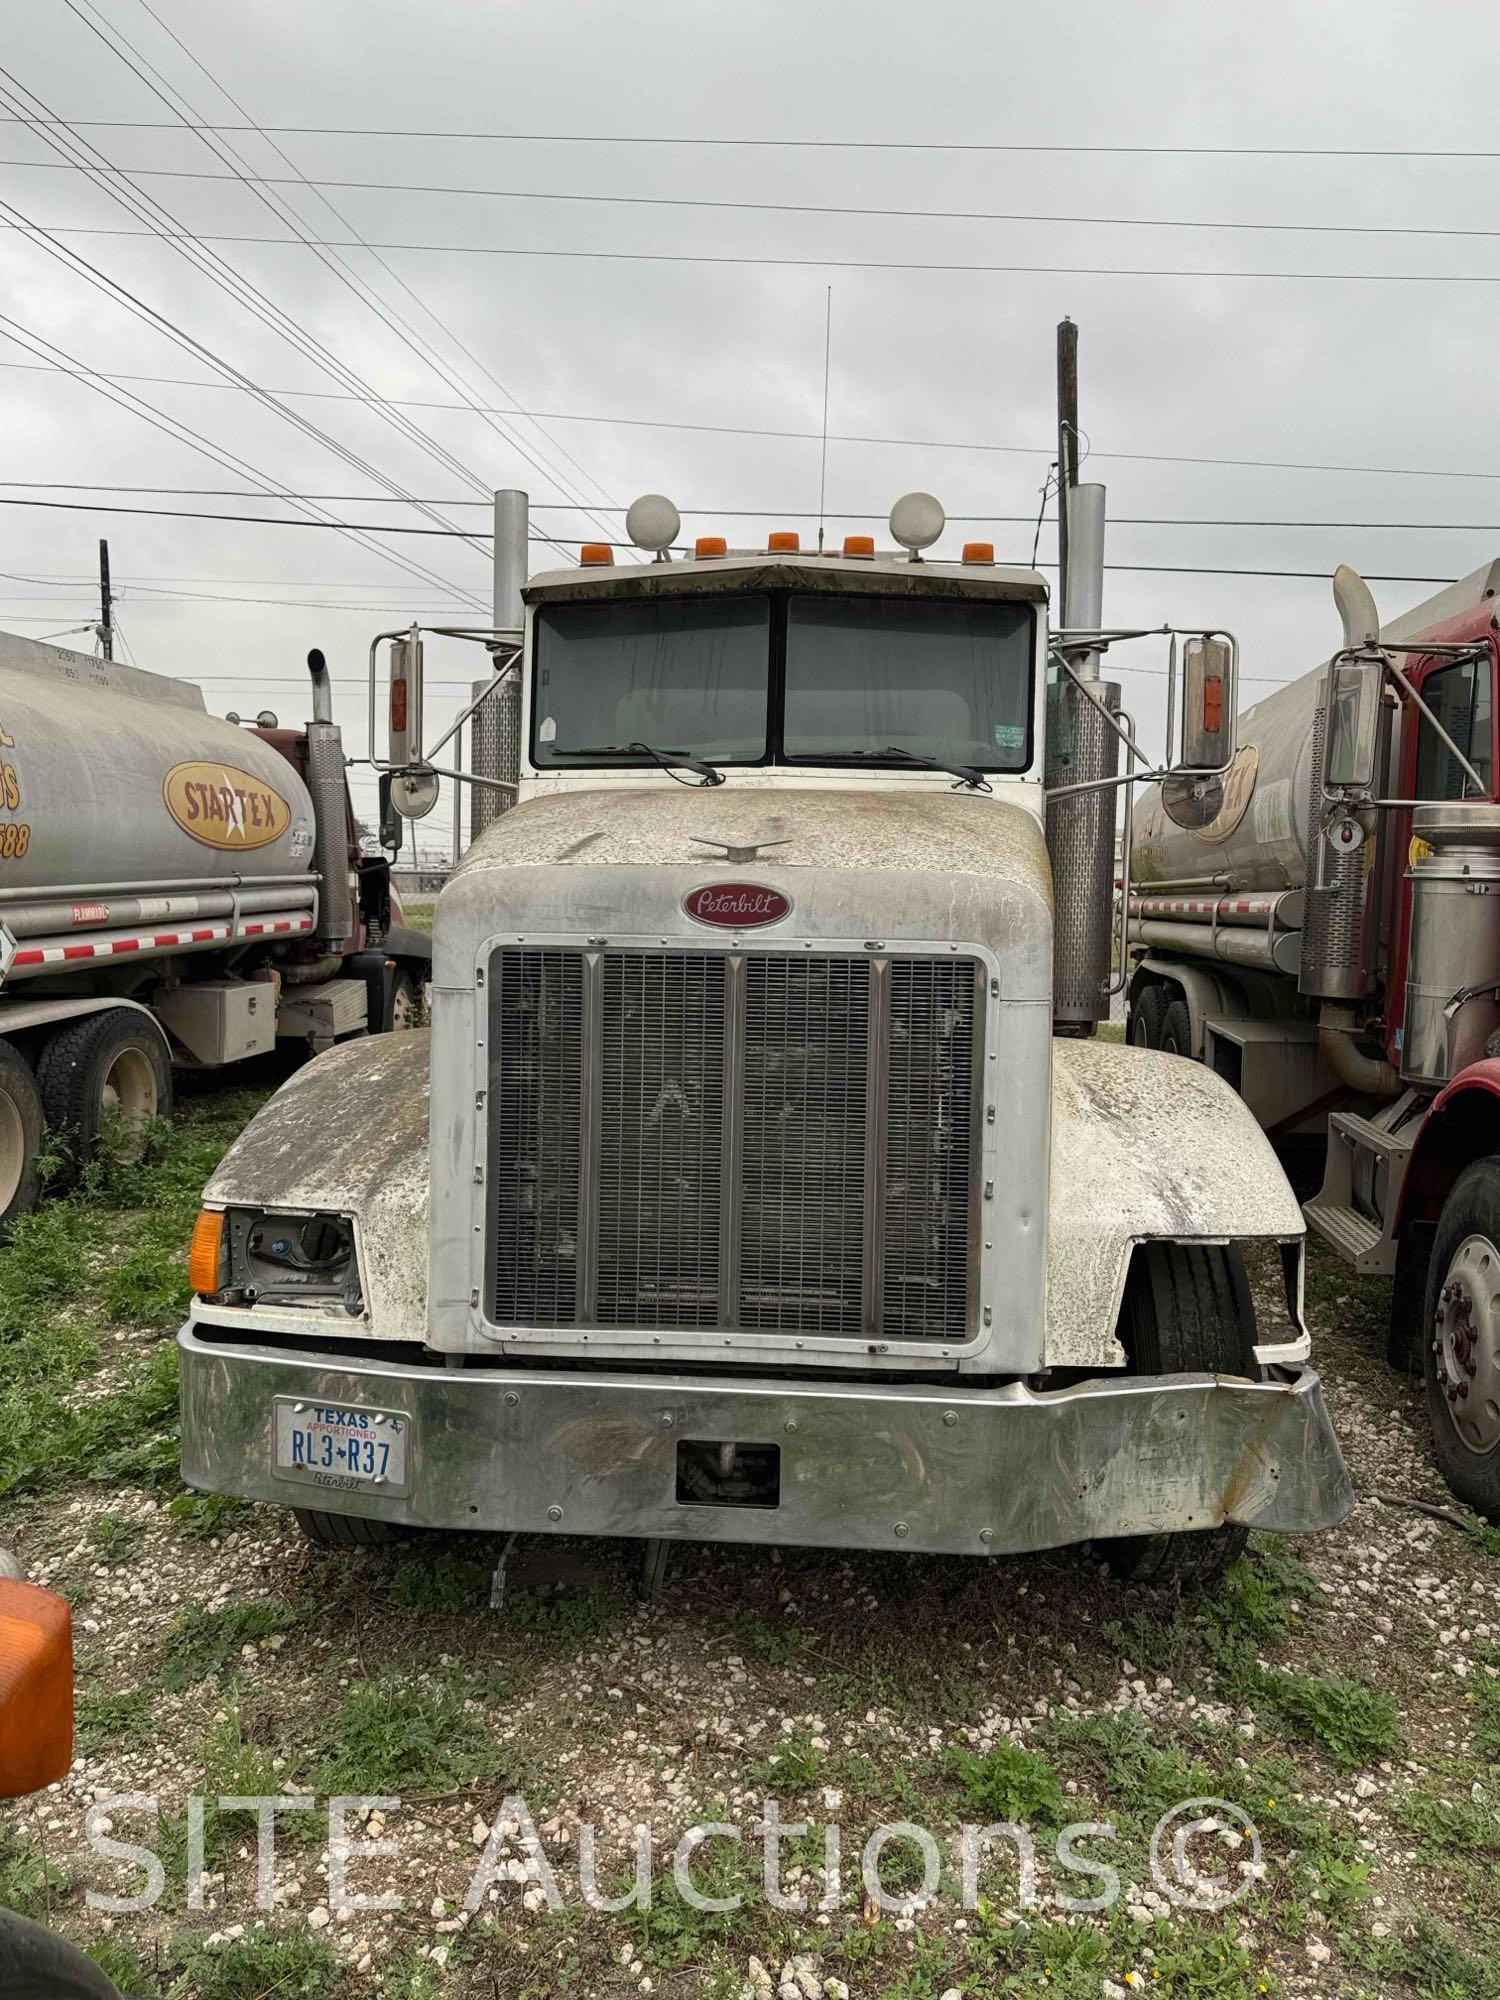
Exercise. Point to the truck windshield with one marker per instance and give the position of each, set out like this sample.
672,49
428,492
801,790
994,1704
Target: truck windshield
689,675
950,681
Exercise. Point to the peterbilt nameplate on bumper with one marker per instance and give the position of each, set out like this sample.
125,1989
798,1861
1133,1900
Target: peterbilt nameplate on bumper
945,1469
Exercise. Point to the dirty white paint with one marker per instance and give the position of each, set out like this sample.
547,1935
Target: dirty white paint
1143,1145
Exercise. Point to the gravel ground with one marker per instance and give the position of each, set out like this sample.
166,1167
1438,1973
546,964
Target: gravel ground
1356,1673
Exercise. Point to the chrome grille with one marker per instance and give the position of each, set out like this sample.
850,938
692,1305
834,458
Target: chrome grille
536,1088
774,1142
661,1139
802,1228
924,1278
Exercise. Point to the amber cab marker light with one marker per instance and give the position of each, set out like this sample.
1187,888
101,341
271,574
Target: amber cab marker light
36,1688
979,552
203,1252
710,545
859,545
783,541
596,552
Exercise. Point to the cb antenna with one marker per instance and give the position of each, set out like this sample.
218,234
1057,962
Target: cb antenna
823,466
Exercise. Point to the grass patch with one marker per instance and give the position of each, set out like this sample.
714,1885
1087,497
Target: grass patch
1354,1724
128,1971
290,1964
114,1540
405,1736
433,1583
1466,1823
113,1719
29,1884
203,1517
794,1763
570,1617
1487,1718
110,1253
201,1643
1007,1783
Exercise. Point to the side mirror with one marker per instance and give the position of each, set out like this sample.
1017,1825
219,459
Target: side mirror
1352,739
1208,698
406,699
392,825
36,1688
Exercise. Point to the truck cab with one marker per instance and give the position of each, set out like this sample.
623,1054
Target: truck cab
742,1189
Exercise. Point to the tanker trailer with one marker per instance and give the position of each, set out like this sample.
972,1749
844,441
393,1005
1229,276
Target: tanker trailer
1267,923
174,889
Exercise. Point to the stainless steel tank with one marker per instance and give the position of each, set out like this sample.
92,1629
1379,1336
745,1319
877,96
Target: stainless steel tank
115,778
1453,966
1250,826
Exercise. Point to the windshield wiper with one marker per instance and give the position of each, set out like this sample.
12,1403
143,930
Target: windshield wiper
671,761
969,777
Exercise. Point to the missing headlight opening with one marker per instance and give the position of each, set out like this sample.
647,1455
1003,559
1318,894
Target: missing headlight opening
275,1258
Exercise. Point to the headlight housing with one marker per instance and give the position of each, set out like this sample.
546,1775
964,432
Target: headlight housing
278,1257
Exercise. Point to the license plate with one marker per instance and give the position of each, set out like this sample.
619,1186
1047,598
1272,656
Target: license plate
342,1448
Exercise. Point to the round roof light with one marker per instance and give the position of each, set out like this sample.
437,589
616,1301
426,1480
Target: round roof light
916,521
653,522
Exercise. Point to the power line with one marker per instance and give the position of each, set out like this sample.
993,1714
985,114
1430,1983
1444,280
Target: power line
227,280
799,145
812,437
758,513
318,181
347,275
385,528
726,258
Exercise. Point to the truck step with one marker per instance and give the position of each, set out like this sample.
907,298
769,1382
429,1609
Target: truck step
1358,1240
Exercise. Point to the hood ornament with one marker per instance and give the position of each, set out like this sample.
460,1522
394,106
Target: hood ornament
739,850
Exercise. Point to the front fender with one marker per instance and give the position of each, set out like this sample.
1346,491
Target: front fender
1462,1125
348,1134
1144,1146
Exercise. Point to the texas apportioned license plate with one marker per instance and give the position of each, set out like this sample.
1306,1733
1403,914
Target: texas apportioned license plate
339,1447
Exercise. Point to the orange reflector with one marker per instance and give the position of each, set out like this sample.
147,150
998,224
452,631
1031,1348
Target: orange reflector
36,1688
785,541
979,551
859,545
710,545
398,703
203,1251
596,552
1213,702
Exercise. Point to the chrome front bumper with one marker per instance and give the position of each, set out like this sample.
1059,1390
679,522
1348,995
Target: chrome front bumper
944,1468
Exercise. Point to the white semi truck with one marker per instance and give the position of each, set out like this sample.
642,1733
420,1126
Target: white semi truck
175,889
760,1178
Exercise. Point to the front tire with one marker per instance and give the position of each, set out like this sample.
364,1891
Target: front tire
1462,1327
349,1531
106,1076
1187,1311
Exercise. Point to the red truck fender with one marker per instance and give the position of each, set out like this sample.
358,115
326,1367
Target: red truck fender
1462,1125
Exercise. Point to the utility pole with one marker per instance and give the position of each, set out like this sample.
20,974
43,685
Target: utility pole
1067,443
106,625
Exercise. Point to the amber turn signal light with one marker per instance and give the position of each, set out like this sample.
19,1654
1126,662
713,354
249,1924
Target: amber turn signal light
204,1252
979,552
36,1688
783,541
859,545
596,552
710,545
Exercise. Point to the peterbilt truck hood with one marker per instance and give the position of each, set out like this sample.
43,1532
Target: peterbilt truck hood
856,863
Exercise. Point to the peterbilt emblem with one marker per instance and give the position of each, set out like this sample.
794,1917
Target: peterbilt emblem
736,906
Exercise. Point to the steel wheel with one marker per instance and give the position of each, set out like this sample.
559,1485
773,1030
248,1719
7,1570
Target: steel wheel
128,1098
405,1007
14,1153
1466,1343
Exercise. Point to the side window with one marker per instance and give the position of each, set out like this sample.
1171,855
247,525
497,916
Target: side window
1459,696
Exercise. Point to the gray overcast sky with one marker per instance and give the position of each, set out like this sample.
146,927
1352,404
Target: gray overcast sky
1297,369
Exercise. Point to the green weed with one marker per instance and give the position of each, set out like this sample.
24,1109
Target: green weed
792,1764
29,1884
113,1719
201,1643
290,1964
114,1539
433,1583
1353,1723
125,1968
1007,1783
203,1516
405,1736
